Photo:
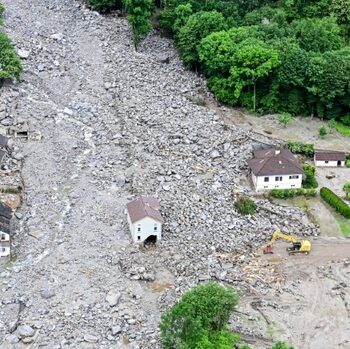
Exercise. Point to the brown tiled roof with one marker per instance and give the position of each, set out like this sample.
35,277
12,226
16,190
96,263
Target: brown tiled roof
144,207
271,162
325,155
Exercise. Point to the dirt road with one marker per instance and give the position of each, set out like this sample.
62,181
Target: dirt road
311,309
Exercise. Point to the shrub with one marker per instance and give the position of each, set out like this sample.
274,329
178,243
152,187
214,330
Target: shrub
345,120
347,162
301,148
335,201
322,131
310,180
10,63
290,193
285,118
245,205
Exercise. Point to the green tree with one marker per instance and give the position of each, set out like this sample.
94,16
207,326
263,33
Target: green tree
285,118
139,14
281,345
346,189
318,35
199,319
182,13
10,63
197,27
341,10
252,60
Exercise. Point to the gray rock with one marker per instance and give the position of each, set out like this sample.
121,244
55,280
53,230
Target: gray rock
23,54
116,329
47,293
25,331
113,297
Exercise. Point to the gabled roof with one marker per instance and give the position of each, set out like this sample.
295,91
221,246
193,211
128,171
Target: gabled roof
329,155
144,207
271,162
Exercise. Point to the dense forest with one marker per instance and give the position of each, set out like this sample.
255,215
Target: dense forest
266,55
10,64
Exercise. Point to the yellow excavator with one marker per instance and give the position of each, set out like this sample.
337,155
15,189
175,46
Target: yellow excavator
299,246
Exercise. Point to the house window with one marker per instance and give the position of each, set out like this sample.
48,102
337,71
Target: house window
326,162
2,237
266,179
294,177
278,179
277,186
265,187
138,237
139,227
155,227
293,185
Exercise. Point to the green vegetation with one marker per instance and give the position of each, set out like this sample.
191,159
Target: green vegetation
10,64
301,148
139,14
346,189
291,193
267,55
344,227
322,131
343,129
199,320
310,179
335,201
245,205
285,118
347,162
104,5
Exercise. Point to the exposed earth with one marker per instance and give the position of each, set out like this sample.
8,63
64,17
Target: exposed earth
115,124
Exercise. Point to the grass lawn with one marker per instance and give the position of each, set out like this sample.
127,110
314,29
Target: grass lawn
343,129
344,225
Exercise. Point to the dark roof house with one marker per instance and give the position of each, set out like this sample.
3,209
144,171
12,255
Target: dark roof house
270,162
144,207
325,155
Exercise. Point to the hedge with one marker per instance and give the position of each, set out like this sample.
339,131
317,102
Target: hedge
301,148
291,193
335,201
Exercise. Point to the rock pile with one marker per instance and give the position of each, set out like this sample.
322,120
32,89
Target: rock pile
115,124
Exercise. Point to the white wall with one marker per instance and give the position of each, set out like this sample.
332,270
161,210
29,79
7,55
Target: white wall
286,183
4,251
146,226
4,237
320,163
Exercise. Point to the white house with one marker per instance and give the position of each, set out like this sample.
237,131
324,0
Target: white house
325,158
275,169
145,220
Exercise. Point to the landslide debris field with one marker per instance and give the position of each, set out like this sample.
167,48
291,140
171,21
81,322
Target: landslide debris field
115,124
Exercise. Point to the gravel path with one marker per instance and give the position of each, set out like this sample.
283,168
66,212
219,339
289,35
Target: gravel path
115,124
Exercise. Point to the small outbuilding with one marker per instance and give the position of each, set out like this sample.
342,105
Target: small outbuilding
329,158
145,220
275,169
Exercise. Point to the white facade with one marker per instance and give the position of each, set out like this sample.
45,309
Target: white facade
145,228
4,237
329,163
277,182
4,251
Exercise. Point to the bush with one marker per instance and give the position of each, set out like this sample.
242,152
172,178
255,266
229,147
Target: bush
322,131
310,180
291,193
301,148
335,201
244,205
10,63
347,162
346,120
285,118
